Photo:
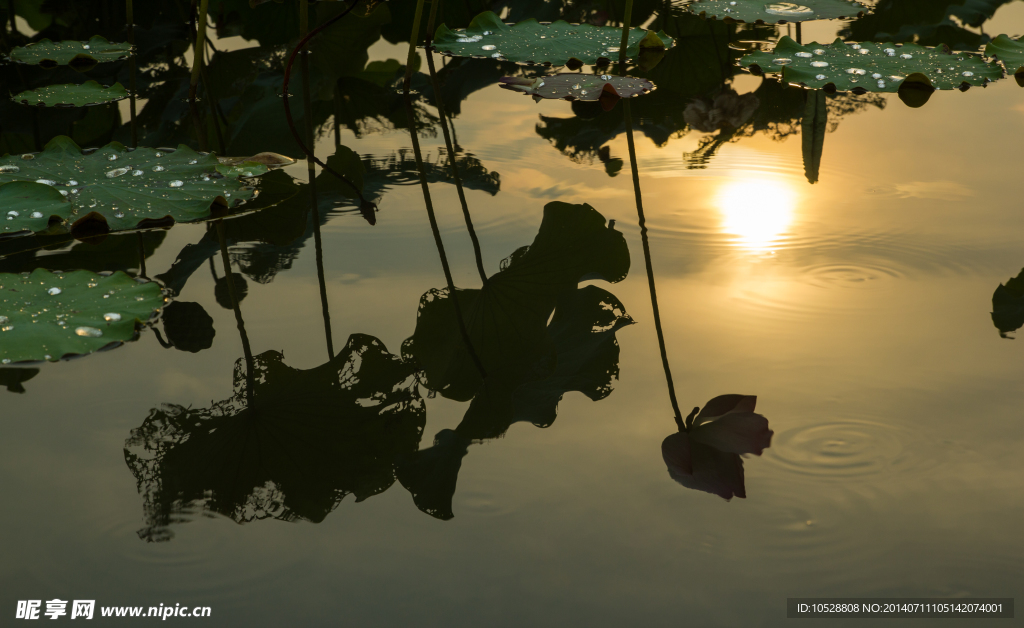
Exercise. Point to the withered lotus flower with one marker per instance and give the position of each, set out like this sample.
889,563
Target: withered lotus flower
705,454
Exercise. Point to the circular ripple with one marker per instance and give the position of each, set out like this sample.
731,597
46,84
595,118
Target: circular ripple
841,449
849,275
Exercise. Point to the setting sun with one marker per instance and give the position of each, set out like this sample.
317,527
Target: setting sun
756,211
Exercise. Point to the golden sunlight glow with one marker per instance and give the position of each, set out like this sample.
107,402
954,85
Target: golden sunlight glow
757,211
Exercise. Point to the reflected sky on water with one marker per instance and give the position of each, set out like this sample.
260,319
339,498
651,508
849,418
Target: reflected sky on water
857,309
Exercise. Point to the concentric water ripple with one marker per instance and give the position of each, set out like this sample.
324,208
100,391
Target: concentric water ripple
849,275
839,449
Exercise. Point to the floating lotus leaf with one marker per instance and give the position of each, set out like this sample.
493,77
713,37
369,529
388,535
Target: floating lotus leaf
1008,306
72,95
1009,51
79,55
776,12
530,41
507,319
30,206
126,188
573,86
874,67
49,315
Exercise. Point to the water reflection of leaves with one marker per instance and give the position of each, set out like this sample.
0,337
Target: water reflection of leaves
926,22
13,378
1008,306
706,455
584,357
507,318
290,448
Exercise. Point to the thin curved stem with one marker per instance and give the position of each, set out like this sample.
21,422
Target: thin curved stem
454,166
246,349
129,9
647,261
288,111
410,114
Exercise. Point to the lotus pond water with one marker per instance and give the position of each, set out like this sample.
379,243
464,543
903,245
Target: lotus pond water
308,319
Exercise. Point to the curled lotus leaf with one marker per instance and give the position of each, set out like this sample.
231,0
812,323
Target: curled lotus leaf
79,55
72,95
126,188
49,315
30,207
1009,51
776,12
873,67
1008,306
572,86
556,43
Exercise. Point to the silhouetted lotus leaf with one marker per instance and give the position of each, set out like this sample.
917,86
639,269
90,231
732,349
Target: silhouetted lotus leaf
72,95
587,87
105,253
79,55
188,327
507,318
582,331
776,12
1008,306
926,22
49,315
30,207
114,188
332,192
1009,51
556,43
706,457
400,169
872,67
585,359
431,474
13,378
289,444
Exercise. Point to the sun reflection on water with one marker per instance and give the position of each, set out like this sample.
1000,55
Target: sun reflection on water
756,211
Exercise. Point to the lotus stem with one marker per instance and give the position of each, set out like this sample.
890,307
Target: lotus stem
410,114
439,103
365,205
130,12
307,102
197,61
626,20
647,259
249,364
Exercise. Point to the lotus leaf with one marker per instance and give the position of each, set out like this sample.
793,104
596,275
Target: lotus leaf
530,41
874,67
1008,306
1009,51
572,86
586,359
289,444
124,188
507,319
50,315
13,378
776,12
31,206
79,55
72,95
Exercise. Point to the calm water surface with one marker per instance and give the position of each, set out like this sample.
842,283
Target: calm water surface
856,309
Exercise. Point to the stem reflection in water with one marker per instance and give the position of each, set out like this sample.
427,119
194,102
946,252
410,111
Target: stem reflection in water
406,84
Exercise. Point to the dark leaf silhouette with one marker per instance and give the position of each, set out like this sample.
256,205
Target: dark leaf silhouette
507,318
1008,306
289,444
